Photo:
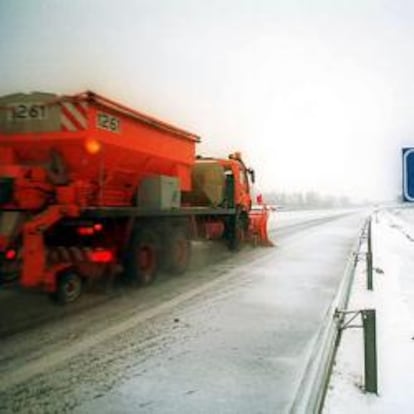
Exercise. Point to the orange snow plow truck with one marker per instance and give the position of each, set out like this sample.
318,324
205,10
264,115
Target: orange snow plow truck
92,189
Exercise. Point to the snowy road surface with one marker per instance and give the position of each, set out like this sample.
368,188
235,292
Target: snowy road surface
232,336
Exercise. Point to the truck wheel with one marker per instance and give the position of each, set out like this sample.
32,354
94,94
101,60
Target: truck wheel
143,259
237,232
69,287
177,252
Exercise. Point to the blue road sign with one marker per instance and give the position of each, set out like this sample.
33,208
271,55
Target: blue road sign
408,174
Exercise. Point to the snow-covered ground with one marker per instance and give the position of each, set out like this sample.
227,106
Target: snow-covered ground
393,300
284,218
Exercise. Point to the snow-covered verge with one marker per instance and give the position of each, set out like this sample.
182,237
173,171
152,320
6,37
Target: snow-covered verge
393,300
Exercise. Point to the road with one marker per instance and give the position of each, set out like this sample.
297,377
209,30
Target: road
233,335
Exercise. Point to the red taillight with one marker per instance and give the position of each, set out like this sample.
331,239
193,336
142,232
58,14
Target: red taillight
90,230
98,227
10,254
101,256
85,231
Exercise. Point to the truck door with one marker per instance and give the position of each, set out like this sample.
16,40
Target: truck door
243,197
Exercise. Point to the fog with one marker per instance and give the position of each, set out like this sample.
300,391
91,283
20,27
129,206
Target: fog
318,96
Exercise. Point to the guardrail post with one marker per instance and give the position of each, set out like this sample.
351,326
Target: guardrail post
369,257
370,350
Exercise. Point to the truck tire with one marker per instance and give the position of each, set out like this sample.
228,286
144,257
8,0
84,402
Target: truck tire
177,251
69,287
143,257
237,230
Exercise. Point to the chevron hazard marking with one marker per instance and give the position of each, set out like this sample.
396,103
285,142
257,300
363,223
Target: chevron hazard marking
73,116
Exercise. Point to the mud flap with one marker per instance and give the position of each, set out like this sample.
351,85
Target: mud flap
9,223
10,226
258,218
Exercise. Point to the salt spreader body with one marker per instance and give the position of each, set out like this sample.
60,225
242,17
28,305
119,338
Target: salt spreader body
90,188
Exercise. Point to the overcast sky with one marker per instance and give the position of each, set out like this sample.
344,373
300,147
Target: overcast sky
318,95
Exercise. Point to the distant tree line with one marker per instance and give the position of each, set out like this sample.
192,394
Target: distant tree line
310,199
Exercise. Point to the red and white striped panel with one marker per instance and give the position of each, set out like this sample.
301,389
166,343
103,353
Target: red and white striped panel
73,116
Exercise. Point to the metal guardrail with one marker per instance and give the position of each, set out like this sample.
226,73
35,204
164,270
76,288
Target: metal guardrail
311,392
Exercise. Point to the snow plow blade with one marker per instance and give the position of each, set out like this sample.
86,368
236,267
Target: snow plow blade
258,218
